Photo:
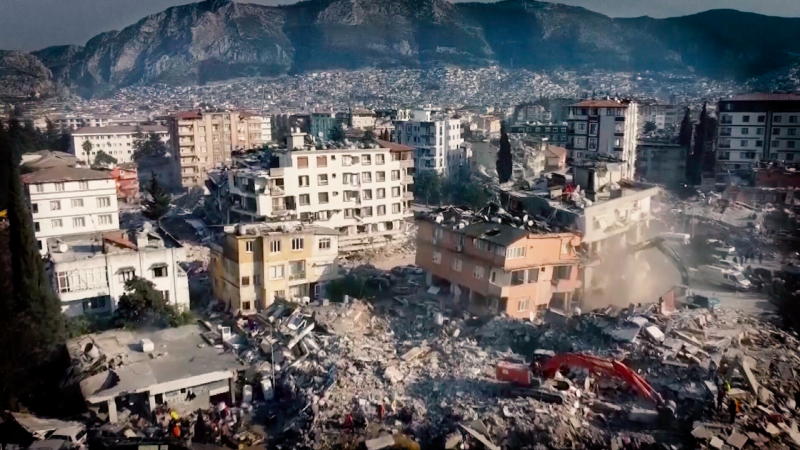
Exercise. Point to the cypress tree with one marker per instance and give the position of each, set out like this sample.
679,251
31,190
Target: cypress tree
504,160
31,324
158,203
685,136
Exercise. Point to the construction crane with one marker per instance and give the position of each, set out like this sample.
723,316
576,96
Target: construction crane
661,245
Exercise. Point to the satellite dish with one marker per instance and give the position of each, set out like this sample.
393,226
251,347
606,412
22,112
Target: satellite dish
62,247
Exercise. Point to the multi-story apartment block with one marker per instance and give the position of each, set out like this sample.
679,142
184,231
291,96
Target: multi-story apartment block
532,113
203,140
661,163
255,264
321,124
364,193
89,271
116,141
363,119
68,200
555,133
603,127
493,267
662,115
758,127
436,140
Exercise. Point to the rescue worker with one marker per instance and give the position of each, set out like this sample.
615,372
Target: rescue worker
720,398
733,409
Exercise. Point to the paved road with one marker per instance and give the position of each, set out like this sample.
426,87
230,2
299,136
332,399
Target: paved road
753,303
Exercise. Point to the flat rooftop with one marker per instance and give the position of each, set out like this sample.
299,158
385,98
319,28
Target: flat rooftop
89,245
119,129
628,188
178,353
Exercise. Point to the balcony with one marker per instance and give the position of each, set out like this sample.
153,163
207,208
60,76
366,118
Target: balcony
297,276
408,195
406,163
276,191
725,133
564,286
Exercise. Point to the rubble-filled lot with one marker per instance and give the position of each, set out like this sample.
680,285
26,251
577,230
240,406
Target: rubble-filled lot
410,373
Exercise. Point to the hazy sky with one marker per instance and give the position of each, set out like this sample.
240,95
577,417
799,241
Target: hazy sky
34,24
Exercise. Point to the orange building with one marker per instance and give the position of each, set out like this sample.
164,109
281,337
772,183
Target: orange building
491,268
126,178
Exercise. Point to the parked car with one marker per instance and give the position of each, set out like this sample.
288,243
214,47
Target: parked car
729,265
723,277
74,435
701,301
413,269
398,271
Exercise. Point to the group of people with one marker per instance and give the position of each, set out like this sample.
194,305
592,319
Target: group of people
218,425
723,391
749,256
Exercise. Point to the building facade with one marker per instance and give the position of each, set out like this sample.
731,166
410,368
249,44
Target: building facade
67,201
363,119
603,127
532,113
662,115
492,268
256,264
89,271
203,140
321,125
555,133
126,179
116,141
436,140
661,163
364,193
758,127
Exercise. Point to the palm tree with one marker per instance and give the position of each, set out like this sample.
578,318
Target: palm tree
87,148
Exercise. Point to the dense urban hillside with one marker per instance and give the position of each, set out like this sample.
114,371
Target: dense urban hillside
219,39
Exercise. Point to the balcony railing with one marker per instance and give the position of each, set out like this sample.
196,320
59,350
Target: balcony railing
297,276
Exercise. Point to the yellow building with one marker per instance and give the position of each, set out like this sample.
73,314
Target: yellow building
258,263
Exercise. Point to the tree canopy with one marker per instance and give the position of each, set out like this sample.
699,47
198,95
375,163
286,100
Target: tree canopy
104,159
142,304
158,202
505,167
147,145
337,133
650,126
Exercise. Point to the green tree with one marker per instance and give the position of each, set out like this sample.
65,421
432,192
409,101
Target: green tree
685,135
158,202
139,144
504,160
369,135
649,127
51,135
21,140
155,146
428,186
462,188
31,323
104,159
337,133
142,304
87,149
64,142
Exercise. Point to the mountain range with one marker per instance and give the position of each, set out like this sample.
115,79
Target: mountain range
219,39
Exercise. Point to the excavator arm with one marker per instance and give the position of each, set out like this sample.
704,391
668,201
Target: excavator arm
661,245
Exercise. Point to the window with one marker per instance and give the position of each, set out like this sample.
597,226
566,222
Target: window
297,270
246,306
103,202
367,194
94,303
322,180
77,203
493,276
302,162
366,160
477,272
775,144
759,143
562,272
745,119
790,144
743,143
348,213
34,208
593,129
437,257
381,193
366,177
56,223
38,188
381,210
275,246
325,243
126,275
248,246
761,119
160,272
302,180
792,119
457,265
777,119
396,191
379,159
776,131
245,281
322,161
533,275
745,130
55,205
323,197
305,199
59,187
380,177
36,228
276,272
83,185
518,277
515,252
78,222
366,211
395,175
297,244
792,131
522,304
759,131
395,208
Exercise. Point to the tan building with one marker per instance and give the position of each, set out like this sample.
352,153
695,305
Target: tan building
491,268
258,263
203,140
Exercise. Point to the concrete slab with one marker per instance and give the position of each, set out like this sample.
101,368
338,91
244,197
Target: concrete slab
737,440
387,440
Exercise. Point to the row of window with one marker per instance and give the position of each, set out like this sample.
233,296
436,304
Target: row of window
518,277
297,245
60,187
752,155
297,271
347,160
349,178
77,222
55,205
760,118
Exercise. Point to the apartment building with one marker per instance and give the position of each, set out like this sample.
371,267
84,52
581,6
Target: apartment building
68,200
555,133
255,264
491,268
321,124
89,271
662,115
363,119
437,141
758,127
363,192
661,163
532,113
203,140
603,127
116,141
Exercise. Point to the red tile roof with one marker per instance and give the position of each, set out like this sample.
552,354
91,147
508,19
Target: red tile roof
56,174
760,97
187,115
600,104
393,145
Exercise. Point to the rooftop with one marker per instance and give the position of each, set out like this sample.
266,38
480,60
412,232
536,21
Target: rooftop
178,353
244,231
58,174
119,129
84,246
760,97
557,151
490,223
599,104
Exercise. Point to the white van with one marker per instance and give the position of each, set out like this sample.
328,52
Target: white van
723,277
678,238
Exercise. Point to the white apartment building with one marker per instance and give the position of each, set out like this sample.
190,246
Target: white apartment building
533,113
662,115
89,271
362,119
436,140
603,127
758,127
116,141
68,200
364,193
203,140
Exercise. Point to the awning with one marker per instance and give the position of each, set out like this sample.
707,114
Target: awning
126,269
159,266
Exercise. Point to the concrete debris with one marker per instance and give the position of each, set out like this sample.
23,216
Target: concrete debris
387,440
